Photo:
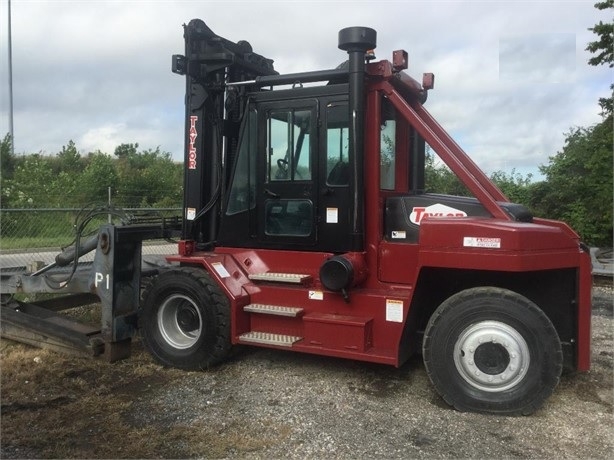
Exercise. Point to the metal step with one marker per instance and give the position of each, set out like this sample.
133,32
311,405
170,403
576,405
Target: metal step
273,310
291,278
266,338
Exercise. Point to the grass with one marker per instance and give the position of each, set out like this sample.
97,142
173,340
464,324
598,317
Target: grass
37,242
85,402
40,229
60,406
66,389
55,406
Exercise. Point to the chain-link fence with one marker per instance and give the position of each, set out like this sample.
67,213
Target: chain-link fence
34,236
31,237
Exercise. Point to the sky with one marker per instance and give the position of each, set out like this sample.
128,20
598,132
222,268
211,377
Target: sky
511,77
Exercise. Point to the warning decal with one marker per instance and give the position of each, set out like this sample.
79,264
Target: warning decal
481,242
394,310
220,269
332,215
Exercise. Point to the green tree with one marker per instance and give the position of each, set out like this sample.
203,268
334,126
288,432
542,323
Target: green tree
516,187
438,178
579,183
99,174
7,159
147,178
603,48
7,167
66,167
69,158
32,184
126,151
578,187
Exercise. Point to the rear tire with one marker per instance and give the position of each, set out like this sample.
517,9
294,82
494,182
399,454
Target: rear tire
185,319
492,350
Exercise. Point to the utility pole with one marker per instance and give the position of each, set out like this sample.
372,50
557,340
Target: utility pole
10,43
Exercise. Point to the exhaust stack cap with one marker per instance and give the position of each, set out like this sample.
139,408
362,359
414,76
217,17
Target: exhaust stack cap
357,39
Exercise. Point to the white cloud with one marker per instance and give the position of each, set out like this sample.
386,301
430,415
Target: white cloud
104,138
538,58
511,76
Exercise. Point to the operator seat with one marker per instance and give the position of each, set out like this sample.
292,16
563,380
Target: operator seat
339,175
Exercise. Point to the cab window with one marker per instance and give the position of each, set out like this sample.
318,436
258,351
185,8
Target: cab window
337,145
388,145
288,145
242,192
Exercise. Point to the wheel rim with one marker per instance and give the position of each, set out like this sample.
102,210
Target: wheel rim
179,321
491,356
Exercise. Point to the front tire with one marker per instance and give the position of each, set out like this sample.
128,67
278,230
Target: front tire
492,350
185,319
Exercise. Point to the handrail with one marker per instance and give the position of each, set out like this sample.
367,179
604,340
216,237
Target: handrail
450,153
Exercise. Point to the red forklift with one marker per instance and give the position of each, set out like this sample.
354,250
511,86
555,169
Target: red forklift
307,227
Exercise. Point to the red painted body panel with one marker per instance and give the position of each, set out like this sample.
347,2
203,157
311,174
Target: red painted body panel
369,324
398,263
329,325
522,246
444,232
583,357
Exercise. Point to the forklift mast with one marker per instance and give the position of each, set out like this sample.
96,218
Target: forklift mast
211,123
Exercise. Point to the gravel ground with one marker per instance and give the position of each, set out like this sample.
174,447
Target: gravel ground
274,404
297,406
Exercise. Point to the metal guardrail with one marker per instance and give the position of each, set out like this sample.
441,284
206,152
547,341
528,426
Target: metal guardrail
603,261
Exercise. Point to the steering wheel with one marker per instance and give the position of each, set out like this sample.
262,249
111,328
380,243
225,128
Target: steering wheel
282,171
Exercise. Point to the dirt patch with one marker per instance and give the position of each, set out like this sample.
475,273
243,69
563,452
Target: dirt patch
273,404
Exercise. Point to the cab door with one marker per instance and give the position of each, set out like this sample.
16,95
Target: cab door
287,199
334,176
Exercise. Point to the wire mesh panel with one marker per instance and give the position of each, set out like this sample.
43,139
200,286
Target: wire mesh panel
34,236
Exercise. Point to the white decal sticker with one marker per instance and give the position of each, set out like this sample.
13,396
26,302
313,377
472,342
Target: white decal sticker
394,310
220,269
435,210
316,295
190,213
332,215
101,279
481,242
399,234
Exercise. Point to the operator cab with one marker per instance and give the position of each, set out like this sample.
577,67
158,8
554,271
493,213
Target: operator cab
311,168
291,181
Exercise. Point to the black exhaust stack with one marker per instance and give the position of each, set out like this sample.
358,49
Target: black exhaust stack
357,41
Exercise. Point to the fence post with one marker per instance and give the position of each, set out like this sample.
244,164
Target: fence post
109,198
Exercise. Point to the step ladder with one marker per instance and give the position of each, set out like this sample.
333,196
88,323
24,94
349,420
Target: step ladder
290,326
273,310
266,338
273,277
269,338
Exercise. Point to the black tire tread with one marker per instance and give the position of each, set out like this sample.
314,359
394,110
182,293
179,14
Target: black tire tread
221,311
494,292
